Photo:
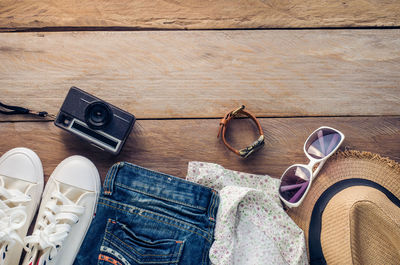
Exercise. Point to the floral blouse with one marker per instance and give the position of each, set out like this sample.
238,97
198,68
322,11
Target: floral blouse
251,227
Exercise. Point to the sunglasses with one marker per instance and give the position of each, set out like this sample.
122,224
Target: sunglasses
297,179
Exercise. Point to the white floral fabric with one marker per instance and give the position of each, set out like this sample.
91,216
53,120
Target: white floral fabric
251,226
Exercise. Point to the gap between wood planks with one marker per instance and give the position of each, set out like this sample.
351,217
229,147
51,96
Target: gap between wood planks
168,145
71,29
194,14
40,119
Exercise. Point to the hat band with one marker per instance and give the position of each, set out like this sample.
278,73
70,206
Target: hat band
314,233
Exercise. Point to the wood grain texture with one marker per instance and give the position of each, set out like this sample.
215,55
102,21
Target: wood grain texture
181,74
168,145
192,14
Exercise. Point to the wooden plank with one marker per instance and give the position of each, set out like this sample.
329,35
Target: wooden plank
181,74
193,14
168,145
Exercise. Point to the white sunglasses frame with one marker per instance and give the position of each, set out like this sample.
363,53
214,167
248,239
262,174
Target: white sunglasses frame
310,165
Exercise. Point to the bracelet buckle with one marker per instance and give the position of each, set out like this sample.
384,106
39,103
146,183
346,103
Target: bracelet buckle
236,112
245,152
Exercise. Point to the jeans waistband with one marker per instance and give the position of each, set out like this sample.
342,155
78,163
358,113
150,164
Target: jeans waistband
160,186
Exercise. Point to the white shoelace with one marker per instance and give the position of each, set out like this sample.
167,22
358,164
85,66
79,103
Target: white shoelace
12,218
59,215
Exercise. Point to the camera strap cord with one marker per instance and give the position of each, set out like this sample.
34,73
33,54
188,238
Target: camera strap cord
15,110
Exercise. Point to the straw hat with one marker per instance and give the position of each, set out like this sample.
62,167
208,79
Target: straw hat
351,214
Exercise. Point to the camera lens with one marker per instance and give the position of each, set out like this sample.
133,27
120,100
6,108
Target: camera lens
98,115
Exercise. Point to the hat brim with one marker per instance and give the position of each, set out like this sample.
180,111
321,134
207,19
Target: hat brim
344,165
360,226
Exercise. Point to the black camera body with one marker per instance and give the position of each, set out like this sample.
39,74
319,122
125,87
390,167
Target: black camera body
102,124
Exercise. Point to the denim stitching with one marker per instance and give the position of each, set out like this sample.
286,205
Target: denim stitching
164,175
148,217
102,243
161,198
215,205
117,223
106,188
108,259
112,177
179,253
211,226
116,246
108,179
122,250
162,221
98,262
211,205
209,230
206,252
202,258
138,253
143,262
114,252
105,182
215,211
147,211
176,226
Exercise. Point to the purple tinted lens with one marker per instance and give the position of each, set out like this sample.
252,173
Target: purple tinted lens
294,183
322,143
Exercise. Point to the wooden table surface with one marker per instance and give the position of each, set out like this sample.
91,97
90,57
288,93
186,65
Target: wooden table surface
179,66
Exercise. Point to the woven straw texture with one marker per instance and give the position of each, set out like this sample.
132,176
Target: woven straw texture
344,165
360,225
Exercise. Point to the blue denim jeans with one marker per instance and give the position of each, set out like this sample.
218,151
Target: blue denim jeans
146,217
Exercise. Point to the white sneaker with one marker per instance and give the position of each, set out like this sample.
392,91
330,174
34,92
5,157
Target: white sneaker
66,211
21,185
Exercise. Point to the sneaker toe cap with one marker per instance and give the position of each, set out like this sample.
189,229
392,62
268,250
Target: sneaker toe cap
79,172
23,164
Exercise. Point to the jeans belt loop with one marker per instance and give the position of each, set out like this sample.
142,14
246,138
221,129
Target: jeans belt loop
212,210
109,180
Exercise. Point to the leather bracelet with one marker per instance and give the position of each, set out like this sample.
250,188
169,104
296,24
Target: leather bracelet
223,125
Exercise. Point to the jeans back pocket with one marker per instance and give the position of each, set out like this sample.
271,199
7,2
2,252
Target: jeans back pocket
122,246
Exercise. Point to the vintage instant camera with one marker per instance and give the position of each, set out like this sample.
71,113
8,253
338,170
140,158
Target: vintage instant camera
102,124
